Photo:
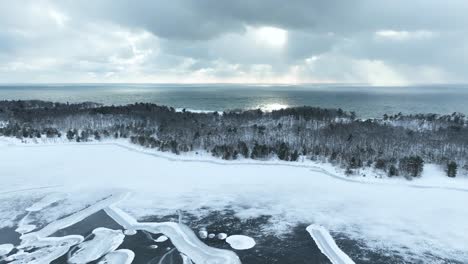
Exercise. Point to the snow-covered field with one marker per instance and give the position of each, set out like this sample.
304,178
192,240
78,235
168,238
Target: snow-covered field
419,218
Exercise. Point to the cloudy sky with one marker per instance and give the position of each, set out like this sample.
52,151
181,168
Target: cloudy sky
243,41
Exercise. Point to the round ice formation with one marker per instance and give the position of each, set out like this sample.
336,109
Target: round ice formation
211,235
161,239
240,242
130,232
203,233
221,236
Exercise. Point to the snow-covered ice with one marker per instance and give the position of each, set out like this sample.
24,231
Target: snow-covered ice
46,201
121,256
161,239
104,241
183,238
426,215
327,245
203,233
221,236
240,242
47,249
5,249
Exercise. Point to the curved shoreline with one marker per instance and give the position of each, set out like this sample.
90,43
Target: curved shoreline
176,158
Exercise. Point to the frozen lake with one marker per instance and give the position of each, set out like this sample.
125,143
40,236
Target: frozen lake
270,202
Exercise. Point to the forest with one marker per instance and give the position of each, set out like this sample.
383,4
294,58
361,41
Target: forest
398,145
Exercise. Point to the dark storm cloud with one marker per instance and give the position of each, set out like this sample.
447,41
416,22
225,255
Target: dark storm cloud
364,40
193,19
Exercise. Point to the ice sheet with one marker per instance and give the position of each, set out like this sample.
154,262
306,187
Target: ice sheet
104,241
240,242
121,256
183,238
327,245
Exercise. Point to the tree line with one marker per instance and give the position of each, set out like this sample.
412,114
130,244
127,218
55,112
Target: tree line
399,145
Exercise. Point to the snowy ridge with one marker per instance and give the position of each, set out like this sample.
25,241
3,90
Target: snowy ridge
327,245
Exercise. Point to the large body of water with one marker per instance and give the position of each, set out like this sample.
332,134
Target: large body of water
366,101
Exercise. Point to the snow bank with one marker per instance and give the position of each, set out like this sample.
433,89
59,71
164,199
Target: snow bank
327,245
240,242
104,241
121,256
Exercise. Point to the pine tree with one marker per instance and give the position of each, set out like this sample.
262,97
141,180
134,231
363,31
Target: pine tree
452,169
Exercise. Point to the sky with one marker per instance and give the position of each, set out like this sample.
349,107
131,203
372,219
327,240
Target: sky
377,42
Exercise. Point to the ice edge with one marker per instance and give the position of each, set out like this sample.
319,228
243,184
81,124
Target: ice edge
327,245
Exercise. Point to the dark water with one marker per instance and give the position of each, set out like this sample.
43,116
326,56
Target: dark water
294,247
366,101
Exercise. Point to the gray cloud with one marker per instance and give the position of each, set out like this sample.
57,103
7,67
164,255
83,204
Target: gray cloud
370,41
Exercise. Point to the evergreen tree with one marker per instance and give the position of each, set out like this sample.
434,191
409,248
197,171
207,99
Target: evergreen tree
452,169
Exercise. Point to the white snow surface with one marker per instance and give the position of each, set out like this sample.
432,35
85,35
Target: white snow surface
327,245
104,241
240,242
426,215
46,201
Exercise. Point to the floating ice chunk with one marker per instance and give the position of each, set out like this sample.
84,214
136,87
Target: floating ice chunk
221,236
153,246
183,238
74,218
47,249
121,256
161,239
203,233
130,232
104,241
211,235
22,229
185,259
5,249
327,245
46,201
240,242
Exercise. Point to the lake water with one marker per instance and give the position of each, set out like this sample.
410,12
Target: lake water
366,101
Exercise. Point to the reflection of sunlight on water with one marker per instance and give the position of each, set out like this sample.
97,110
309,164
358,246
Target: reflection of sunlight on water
272,107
